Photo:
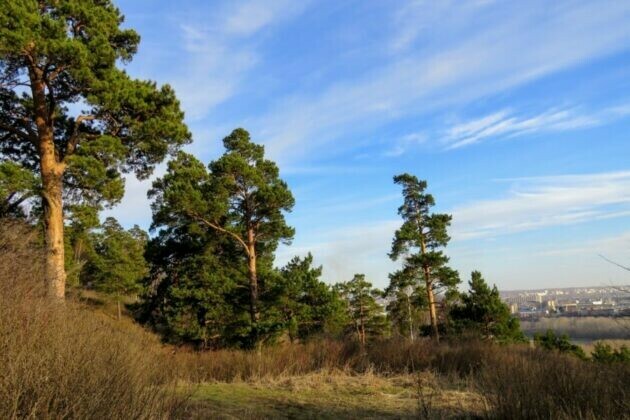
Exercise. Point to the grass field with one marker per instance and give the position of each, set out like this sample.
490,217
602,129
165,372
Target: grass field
333,396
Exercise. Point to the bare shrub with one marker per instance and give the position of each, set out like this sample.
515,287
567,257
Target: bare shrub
285,360
533,384
60,360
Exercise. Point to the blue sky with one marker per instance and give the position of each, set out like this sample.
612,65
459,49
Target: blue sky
516,113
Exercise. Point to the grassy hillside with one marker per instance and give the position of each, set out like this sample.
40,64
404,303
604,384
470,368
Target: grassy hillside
75,360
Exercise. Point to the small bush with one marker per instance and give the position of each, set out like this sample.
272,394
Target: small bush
607,354
559,343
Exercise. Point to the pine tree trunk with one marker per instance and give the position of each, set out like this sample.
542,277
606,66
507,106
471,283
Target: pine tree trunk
253,290
253,278
362,324
432,312
53,227
430,296
52,177
410,318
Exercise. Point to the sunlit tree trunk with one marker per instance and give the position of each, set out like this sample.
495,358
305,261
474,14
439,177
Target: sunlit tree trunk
430,296
411,338
52,177
362,323
253,277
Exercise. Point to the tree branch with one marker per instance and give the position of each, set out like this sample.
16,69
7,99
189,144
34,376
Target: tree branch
19,133
53,74
614,263
222,230
74,138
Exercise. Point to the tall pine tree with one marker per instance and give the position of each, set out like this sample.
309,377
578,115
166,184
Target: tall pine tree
59,56
418,243
241,198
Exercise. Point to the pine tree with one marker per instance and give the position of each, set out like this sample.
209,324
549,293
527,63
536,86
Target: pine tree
241,198
483,312
365,313
191,294
118,266
407,303
308,305
17,186
418,242
57,56
79,242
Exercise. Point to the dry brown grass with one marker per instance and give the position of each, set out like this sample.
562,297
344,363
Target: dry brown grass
534,384
337,395
515,382
63,360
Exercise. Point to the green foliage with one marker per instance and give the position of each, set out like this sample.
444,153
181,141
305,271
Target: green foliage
191,294
366,315
605,353
241,189
562,344
200,290
58,57
17,185
73,47
308,305
248,192
482,312
418,243
407,304
117,266
197,287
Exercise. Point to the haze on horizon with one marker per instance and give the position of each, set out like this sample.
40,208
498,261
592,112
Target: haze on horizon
518,116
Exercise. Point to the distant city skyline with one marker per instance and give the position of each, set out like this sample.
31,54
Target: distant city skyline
516,113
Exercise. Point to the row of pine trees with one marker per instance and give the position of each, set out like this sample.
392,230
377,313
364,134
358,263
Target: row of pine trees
206,276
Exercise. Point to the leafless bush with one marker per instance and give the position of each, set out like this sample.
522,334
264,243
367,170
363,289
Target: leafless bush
535,384
62,360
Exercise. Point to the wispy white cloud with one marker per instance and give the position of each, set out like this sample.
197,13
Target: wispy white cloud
220,48
248,17
415,20
612,246
211,71
515,48
534,203
506,124
404,143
